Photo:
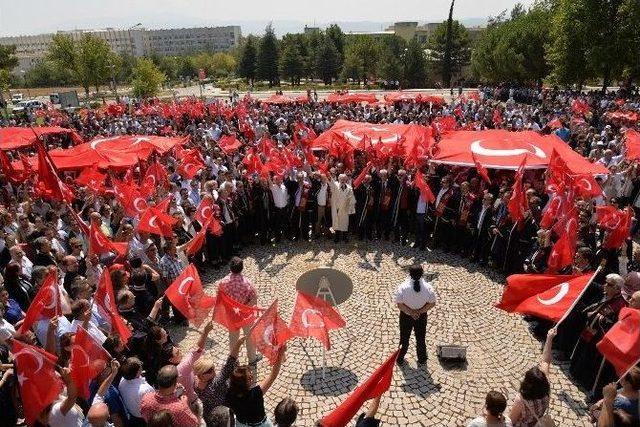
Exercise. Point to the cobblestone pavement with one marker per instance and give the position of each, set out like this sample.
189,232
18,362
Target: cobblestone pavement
500,347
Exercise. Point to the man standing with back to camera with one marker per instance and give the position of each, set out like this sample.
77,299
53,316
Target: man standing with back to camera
414,297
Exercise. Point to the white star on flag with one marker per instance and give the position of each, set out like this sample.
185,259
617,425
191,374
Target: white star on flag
236,310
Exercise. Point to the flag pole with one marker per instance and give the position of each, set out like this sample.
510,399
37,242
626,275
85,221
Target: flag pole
595,383
566,314
633,365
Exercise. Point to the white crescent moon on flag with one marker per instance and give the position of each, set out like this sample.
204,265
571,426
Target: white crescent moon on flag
570,222
617,218
95,142
53,298
182,284
152,179
305,318
84,353
563,289
267,336
136,202
587,185
139,139
204,210
152,221
36,356
349,135
107,302
477,148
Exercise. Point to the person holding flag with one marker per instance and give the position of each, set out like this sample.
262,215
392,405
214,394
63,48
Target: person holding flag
241,290
414,298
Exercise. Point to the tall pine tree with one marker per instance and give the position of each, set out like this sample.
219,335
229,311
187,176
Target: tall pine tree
267,67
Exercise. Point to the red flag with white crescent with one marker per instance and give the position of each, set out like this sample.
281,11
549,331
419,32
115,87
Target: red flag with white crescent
314,317
155,221
88,359
621,344
232,314
40,384
105,301
205,210
45,305
270,333
425,190
547,296
100,244
186,294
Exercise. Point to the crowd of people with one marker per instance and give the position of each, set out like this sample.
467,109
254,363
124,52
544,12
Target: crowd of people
149,382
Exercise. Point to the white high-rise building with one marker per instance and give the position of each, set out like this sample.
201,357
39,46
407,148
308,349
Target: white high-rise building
135,41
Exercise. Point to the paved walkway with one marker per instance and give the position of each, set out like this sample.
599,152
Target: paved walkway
500,347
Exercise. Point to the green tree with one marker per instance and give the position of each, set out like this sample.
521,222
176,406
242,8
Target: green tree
447,63
460,53
312,43
514,49
415,65
327,64
334,32
46,74
88,59
147,78
223,64
291,62
593,38
267,63
186,67
8,59
362,55
247,64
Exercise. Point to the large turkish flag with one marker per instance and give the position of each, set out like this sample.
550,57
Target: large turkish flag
547,296
621,345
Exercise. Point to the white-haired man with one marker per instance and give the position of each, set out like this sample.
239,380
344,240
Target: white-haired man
343,204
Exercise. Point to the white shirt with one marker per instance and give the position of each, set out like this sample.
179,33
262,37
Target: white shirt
280,196
73,418
440,194
93,330
132,391
27,266
322,194
422,205
6,330
412,299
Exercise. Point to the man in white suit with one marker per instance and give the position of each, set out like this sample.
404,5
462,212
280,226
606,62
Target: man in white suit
343,204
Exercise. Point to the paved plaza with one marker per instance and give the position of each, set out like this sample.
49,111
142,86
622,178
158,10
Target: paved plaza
500,346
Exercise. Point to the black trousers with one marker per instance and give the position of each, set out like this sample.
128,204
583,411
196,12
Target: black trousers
419,326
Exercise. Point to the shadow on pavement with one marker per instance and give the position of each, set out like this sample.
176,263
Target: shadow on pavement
418,381
337,381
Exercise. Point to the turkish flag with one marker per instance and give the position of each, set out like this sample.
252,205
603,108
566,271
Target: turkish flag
232,314
99,243
621,345
215,227
314,317
550,214
377,384
425,190
616,223
229,144
92,178
45,305
190,165
205,209
104,300
157,222
445,124
155,178
586,185
482,171
270,333
193,246
563,250
186,294
518,202
88,359
163,205
7,168
361,176
81,224
49,184
547,296
40,384
131,198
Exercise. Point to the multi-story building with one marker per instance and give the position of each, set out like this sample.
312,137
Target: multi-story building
409,30
134,41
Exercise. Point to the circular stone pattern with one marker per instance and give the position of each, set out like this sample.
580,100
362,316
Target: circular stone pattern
500,347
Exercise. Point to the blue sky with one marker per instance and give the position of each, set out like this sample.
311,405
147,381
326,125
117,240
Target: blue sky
37,16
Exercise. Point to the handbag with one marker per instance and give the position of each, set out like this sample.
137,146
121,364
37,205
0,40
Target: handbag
544,421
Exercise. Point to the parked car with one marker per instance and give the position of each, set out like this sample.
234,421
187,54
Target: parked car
16,97
31,105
